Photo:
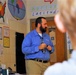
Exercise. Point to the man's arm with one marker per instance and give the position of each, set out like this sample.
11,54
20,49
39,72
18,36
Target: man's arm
27,47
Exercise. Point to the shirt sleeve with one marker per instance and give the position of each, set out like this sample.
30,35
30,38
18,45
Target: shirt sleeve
51,44
27,47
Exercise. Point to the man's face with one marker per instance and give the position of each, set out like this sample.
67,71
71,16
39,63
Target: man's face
43,26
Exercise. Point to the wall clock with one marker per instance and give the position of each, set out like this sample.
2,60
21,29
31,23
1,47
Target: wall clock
17,9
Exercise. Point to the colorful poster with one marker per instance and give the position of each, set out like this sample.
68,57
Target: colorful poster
2,11
17,9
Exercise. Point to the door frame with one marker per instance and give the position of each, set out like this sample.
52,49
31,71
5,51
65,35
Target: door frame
48,19
18,60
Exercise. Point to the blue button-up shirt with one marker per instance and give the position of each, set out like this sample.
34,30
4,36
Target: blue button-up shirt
31,43
65,68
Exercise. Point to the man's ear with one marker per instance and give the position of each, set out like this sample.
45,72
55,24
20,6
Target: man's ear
39,24
59,24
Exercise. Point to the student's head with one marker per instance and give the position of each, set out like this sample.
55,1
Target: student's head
41,23
66,18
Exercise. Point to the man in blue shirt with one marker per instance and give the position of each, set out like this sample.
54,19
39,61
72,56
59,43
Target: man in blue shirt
66,22
37,47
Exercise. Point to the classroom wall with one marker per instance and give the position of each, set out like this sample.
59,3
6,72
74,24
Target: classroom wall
8,56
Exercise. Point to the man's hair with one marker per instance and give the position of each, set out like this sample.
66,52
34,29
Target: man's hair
67,12
39,20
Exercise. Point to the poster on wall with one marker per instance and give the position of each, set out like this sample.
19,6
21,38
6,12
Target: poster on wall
6,31
17,10
1,49
3,12
52,34
69,44
0,33
6,42
6,36
44,9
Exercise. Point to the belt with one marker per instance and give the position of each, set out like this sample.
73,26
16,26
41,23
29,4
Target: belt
43,61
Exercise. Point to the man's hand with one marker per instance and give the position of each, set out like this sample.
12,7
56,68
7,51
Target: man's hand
49,48
42,46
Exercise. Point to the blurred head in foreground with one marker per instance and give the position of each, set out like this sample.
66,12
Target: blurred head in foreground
66,18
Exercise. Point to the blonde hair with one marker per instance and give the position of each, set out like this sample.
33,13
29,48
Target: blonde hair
67,11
